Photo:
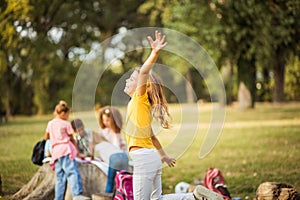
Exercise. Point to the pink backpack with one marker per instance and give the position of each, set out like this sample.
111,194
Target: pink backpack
214,180
124,189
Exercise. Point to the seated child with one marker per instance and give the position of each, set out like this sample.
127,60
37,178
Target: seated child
87,141
83,138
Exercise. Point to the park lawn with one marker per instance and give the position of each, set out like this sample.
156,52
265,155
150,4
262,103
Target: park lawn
255,145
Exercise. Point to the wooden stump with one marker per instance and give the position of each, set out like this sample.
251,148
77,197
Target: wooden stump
101,197
42,184
276,191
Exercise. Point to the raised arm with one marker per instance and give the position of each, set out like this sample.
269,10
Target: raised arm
156,46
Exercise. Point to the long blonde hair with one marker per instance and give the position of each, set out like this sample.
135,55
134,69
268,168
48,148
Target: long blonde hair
158,101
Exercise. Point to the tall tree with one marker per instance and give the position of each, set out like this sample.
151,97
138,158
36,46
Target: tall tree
50,44
197,20
260,32
56,38
241,22
285,33
12,13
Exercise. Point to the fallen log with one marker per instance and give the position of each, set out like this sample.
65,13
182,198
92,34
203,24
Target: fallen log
42,184
278,191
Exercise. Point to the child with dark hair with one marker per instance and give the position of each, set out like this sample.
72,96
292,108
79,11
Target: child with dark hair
83,138
110,122
89,142
114,152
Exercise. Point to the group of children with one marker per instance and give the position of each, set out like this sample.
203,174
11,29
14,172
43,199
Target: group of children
144,149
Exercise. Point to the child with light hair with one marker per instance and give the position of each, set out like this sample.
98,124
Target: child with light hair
64,151
148,102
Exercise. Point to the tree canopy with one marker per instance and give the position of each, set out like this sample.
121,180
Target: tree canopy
43,45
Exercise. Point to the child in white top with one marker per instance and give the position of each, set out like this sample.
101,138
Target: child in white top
110,122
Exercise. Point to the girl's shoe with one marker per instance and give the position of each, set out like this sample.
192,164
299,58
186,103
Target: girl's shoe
202,193
81,197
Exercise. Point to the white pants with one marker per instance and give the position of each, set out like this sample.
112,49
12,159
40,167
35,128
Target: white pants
147,170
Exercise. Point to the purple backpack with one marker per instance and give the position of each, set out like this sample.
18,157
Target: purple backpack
124,189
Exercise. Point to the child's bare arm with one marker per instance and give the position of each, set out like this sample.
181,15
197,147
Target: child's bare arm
79,155
164,157
91,148
156,46
47,136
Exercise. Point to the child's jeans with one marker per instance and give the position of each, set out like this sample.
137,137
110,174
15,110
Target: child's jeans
117,162
67,169
147,170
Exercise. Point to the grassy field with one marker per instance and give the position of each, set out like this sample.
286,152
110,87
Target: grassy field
255,146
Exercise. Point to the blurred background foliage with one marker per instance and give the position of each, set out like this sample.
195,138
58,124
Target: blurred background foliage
44,43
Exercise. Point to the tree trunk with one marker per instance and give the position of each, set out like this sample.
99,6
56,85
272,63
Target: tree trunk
266,93
247,75
244,97
227,76
42,184
189,87
8,80
279,71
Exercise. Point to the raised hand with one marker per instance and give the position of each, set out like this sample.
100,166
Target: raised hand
158,43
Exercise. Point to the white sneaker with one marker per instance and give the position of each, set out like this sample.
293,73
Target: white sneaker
203,193
81,197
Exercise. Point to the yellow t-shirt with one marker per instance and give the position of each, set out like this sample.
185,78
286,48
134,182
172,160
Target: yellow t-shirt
137,129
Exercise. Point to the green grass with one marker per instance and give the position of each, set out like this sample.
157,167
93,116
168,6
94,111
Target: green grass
255,146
